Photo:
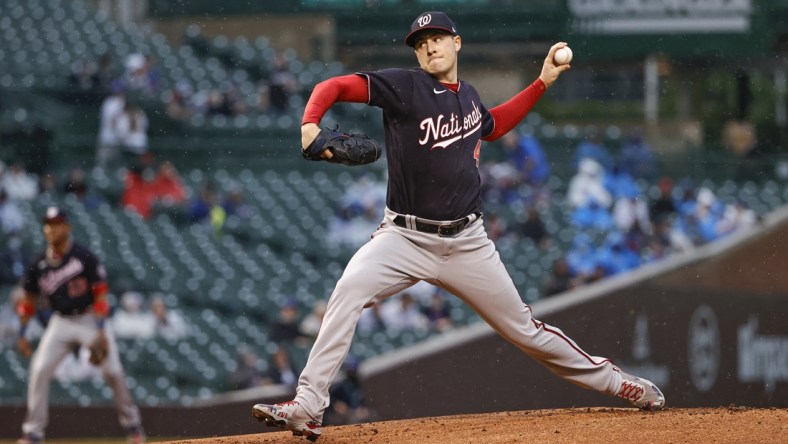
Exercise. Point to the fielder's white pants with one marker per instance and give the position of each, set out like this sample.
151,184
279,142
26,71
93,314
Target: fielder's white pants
59,338
468,266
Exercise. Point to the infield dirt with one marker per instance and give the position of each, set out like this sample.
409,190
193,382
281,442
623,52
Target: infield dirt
580,425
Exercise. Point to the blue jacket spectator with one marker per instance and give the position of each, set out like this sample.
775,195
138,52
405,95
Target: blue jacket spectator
531,160
592,216
637,158
593,148
581,257
619,183
615,256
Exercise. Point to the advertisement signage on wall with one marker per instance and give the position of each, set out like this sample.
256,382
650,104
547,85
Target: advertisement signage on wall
661,16
694,28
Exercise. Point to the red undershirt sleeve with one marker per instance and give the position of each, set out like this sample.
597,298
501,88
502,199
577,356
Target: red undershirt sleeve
348,88
508,114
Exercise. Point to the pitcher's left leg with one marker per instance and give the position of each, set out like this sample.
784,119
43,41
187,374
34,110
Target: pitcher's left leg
476,275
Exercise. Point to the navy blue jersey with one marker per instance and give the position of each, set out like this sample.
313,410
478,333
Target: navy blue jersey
433,141
68,284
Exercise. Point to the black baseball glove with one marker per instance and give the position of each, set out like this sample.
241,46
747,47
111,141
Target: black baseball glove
347,149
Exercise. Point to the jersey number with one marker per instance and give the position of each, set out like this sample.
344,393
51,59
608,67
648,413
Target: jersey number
477,152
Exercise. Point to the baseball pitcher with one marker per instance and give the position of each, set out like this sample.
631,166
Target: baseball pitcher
432,228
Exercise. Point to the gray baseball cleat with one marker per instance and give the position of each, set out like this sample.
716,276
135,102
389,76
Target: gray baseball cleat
641,393
289,416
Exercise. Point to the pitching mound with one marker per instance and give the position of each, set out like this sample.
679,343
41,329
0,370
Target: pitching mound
587,425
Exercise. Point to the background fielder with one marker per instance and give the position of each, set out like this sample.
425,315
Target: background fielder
74,283
432,228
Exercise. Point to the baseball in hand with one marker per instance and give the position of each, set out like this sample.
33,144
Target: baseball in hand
563,56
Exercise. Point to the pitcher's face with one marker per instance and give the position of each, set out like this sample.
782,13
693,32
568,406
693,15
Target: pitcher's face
436,52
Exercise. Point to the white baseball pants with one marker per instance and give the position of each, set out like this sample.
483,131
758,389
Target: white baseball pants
58,340
466,265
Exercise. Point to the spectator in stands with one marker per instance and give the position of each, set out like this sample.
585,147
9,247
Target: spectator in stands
131,129
588,185
111,107
357,216
77,184
592,147
371,320
141,74
263,104
310,325
709,212
533,228
500,182
687,200
48,185
14,258
84,74
18,184
664,205
226,101
619,182
201,204
560,278
366,192
168,188
737,216
637,158
437,312
592,217
631,209
529,158
581,257
403,314
12,220
282,83
285,330
132,319
105,71
9,320
352,227
169,324
178,101
615,256
139,192
347,397
668,238
495,226
247,372
206,209
234,203
280,369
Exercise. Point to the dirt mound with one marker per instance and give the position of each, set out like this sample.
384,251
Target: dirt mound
588,425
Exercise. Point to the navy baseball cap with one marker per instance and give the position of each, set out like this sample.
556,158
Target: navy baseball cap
430,20
54,215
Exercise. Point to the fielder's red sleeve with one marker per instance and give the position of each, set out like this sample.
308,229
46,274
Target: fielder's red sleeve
349,88
508,114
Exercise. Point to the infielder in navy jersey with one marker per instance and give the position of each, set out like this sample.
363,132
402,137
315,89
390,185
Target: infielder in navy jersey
73,282
432,228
